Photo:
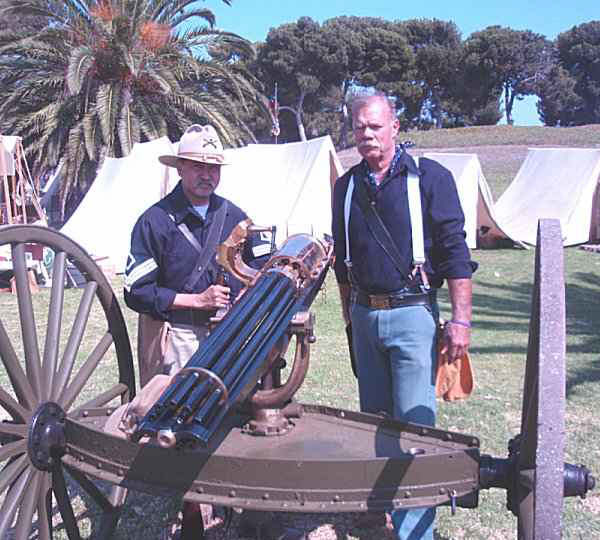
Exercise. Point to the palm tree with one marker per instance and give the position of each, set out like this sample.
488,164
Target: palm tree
97,76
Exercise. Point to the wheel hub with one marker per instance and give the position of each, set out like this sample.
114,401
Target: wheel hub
47,441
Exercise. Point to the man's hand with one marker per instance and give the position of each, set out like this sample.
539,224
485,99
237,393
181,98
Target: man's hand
456,341
215,297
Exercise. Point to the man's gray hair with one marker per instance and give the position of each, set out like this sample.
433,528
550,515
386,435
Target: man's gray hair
361,100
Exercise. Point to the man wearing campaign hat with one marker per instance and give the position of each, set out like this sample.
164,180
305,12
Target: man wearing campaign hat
172,278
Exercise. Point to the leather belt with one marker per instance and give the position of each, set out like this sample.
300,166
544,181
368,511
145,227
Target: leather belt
391,300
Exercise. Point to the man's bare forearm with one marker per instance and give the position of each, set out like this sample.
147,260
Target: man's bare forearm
458,330
461,293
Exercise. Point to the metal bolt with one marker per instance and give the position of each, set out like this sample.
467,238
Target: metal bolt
232,493
200,490
85,414
407,494
265,496
442,491
336,498
453,502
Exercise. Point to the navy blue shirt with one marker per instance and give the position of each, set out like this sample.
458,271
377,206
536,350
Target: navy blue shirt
446,252
162,259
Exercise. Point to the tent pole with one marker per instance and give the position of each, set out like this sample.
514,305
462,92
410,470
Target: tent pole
15,210
20,181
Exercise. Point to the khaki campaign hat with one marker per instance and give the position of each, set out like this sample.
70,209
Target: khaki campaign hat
198,143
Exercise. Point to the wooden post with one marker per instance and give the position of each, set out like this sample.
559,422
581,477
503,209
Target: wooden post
35,199
3,169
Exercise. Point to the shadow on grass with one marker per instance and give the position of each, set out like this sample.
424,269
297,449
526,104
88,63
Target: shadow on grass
583,314
512,302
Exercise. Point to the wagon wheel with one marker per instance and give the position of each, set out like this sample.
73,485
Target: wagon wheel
39,388
537,493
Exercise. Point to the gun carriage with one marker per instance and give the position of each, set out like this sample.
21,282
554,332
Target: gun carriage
227,430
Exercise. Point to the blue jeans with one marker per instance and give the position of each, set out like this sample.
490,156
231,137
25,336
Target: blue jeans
396,356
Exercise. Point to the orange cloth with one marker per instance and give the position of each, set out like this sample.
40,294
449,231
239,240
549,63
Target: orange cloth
454,380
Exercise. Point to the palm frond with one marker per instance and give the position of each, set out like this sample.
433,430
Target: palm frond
80,62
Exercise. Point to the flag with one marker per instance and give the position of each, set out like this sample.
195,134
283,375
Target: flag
274,110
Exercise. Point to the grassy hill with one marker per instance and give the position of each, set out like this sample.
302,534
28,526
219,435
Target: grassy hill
581,136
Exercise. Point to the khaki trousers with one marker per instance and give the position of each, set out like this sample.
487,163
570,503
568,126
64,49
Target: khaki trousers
164,348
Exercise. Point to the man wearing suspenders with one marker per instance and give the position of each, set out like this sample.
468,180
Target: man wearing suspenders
398,232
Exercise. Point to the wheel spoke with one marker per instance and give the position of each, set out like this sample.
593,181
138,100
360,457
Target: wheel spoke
30,342
44,509
59,488
54,322
82,377
20,430
16,410
12,449
106,397
11,471
25,518
75,337
12,500
18,379
91,489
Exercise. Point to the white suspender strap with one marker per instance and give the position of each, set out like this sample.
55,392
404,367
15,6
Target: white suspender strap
347,205
416,224
416,218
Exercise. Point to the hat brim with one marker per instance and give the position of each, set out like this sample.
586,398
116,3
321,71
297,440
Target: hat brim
174,161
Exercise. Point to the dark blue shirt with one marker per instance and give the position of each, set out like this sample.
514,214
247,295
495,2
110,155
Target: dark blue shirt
162,259
446,252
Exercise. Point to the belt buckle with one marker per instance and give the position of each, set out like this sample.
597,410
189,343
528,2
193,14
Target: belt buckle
380,302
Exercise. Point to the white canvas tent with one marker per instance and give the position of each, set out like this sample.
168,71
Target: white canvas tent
557,183
286,185
8,147
122,190
474,194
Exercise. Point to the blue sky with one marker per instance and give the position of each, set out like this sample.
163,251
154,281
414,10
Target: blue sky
252,19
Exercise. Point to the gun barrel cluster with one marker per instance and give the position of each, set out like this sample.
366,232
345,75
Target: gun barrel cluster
230,362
